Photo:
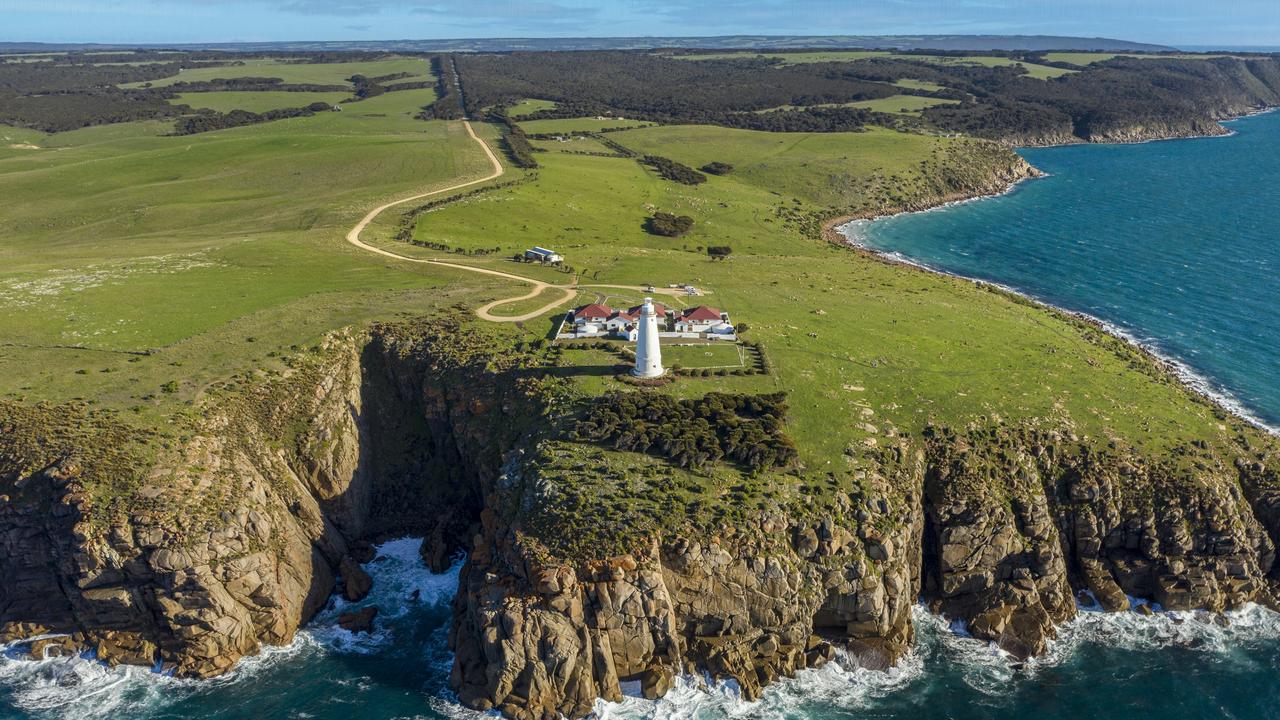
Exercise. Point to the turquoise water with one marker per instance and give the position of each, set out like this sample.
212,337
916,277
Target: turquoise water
1175,243
1172,242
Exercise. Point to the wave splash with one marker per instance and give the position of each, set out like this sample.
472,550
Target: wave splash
944,660
82,687
944,649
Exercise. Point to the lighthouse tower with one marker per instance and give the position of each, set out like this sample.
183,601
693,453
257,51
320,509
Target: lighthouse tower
648,354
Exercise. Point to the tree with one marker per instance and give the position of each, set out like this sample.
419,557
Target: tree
669,225
719,252
717,168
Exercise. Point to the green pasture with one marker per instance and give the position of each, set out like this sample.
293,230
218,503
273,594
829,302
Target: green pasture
903,104
143,267
528,107
586,124
864,348
573,144
711,355
918,85
132,258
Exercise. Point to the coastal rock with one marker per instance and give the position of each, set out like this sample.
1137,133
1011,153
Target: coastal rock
358,621
997,526
356,583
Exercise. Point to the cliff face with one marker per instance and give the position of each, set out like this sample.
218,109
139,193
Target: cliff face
241,535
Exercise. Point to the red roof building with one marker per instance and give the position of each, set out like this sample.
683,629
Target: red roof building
702,313
595,312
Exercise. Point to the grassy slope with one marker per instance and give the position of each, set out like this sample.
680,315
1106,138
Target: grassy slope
122,240
893,347
221,249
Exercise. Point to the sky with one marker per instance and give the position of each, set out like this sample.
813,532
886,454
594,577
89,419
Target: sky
1168,22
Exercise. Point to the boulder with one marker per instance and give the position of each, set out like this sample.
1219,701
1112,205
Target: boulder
358,621
356,583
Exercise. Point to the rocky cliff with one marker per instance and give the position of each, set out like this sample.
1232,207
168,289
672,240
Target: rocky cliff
239,534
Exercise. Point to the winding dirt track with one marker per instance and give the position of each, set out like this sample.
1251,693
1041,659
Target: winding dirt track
568,292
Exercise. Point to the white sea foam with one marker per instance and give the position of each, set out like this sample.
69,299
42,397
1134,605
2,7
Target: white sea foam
82,687
839,684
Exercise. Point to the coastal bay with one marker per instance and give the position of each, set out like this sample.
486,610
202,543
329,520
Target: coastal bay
1165,242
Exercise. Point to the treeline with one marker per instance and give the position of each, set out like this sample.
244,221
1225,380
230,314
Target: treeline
58,112
55,98
409,220
76,90
252,84
674,171
514,140
693,433
207,122
1117,96
1106,99
646,86
448,104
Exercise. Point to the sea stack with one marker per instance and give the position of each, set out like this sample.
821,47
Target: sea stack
648,354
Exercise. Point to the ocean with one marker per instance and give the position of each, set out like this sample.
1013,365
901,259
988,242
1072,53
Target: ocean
1172,243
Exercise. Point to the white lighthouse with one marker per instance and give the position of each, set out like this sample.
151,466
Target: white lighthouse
648,354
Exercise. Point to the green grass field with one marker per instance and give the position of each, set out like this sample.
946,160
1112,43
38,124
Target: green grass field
903,104
723,355
256,101
863,347
568,125
573,144
918,85
302,73
1039,72
211,252
528,107
144,267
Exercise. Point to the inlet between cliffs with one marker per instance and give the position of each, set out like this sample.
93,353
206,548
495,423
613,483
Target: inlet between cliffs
1207,252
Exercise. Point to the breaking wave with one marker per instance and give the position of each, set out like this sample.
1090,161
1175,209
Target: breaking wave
81,687
401,670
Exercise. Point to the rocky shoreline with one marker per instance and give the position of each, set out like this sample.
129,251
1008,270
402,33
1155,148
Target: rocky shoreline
1170,368
266,508
400,430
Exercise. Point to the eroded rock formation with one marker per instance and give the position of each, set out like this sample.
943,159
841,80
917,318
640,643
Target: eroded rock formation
241,535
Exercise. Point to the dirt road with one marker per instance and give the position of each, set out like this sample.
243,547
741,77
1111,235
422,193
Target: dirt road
568,292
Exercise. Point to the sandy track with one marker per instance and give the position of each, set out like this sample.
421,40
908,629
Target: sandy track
568,292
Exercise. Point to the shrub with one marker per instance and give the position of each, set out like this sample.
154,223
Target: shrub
669,225
717,168
674,171
746,429
719,252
